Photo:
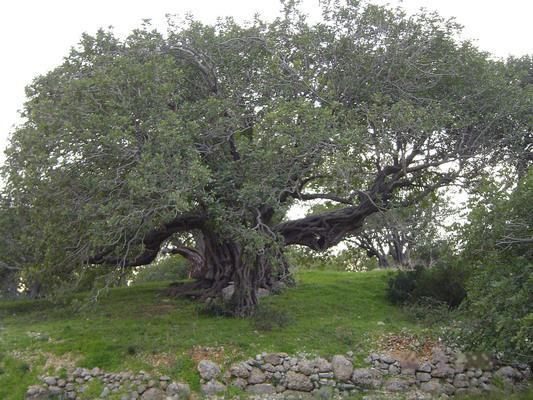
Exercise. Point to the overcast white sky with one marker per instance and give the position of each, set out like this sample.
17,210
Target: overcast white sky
36,34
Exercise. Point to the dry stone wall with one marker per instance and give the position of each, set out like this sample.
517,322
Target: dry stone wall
279,375
130,386
447,373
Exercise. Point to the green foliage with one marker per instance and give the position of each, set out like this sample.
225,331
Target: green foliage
444,283
500,225
15,377
167,268
225,120
406,235
498,315
215,308
24,367
346,335
94,388
351,259
402,284
435,251
430,311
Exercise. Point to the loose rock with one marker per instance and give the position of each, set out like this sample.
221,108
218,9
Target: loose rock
212,388
262,388
208,369
273,358
297,381
153,394
366,378
342,367
240,370
433,386
256,376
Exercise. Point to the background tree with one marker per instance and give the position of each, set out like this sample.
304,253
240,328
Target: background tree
15,254
215,131
404,237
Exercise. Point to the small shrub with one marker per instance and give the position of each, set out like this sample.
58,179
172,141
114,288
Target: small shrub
43,338
24,368
266,319
429,310
131,350
444,283
402,285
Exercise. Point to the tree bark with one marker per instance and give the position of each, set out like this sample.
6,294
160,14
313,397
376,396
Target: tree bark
320,232
34,291
383,262
226,262
8,289
195,258
399,249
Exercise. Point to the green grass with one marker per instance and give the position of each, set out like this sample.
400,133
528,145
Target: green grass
138,328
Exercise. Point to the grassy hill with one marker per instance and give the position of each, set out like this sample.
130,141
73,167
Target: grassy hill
138,328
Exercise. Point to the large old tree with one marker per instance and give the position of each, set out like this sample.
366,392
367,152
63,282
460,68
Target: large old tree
198,141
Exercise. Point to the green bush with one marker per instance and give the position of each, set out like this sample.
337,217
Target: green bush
498,315
402,285
168,268
430,311
444,283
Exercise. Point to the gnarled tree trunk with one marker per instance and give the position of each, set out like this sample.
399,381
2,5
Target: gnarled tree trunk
226,262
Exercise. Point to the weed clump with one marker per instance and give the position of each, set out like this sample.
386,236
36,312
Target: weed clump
266,319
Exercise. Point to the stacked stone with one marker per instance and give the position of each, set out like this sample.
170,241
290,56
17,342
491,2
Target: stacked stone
274,374
132,386
209,374
448,372
281,373
445,374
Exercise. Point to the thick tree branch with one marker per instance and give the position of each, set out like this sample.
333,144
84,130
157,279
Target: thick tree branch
323,196
151,242
322,231
195,258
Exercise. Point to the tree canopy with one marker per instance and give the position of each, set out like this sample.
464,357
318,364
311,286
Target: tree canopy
199,140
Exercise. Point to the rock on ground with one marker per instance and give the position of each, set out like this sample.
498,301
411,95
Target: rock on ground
366,378
256,376
153,394
342,367
261,388
208,369
297,381
212,388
